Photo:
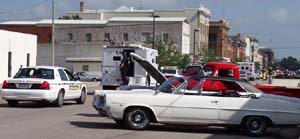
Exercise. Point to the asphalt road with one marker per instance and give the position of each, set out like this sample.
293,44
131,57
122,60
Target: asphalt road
72,121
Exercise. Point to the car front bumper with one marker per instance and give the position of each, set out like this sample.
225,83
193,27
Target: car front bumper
102,109
28,94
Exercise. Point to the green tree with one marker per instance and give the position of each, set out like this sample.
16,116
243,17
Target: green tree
208,56
257,65
290,63
168,55
73,17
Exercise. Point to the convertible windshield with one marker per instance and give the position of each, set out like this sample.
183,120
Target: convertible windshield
171,84
35,73
249,87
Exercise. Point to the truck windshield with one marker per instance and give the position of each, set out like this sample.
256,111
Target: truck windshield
35,73
168,71
208,70
193,68
171,84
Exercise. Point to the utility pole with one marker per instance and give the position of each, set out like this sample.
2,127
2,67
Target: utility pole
153,39
53,35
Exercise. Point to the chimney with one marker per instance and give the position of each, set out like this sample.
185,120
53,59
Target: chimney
81,6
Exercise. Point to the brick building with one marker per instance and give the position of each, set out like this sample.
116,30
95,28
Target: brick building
239,47
219,41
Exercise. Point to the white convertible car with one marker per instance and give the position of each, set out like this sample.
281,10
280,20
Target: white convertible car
198,100
43,83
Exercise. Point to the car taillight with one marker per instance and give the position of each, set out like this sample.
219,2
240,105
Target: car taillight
5,84
45,85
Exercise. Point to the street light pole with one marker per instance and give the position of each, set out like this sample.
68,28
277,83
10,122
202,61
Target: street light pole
53,35
194,54
153,31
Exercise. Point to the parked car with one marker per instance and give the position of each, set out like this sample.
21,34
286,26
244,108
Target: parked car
298,74
83,76
171,72
196,100
244,75
43,83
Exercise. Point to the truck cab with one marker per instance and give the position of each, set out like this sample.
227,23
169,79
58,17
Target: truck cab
221,69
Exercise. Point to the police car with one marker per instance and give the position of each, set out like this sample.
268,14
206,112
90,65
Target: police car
43,83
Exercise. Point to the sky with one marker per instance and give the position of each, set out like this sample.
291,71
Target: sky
274,22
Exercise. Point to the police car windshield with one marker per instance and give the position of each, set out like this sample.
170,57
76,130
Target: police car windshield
35,73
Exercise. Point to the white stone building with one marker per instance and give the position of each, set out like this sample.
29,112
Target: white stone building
198,19
17,50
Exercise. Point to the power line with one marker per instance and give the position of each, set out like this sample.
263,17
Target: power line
24,8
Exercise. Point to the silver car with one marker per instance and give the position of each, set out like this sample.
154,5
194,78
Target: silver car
83,76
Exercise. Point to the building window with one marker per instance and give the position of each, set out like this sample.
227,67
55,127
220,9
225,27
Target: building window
107,37
212,38
88,37
125,37
28,60
70,36
165,37
9,64
145,37
85,67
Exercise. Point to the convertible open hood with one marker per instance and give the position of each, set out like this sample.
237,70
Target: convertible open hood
154,72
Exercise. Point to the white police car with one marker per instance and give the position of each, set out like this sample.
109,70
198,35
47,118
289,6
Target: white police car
43,83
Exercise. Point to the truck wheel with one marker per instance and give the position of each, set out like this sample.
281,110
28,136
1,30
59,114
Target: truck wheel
137,119
12,103
254,125
59,102
82,98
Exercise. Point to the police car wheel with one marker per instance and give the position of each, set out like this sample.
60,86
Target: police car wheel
82,98
59,102
12,103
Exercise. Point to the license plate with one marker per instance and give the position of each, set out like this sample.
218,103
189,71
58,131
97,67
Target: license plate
23,86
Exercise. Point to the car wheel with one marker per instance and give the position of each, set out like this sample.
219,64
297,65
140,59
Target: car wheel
255,126
59,102
137,119
119,122
12,103
94,80
82,98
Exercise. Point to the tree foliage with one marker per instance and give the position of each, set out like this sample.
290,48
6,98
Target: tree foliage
208,56
66,17
289,63
168,55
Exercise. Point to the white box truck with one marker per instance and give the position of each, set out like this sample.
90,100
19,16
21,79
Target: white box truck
136,74
249,68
